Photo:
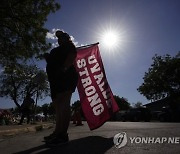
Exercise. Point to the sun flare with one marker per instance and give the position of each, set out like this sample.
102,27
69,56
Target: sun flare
110,39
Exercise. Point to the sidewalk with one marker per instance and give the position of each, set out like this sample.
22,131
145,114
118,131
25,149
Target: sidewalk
10,130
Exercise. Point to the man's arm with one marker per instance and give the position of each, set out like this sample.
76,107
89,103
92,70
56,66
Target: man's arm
69,60
71,49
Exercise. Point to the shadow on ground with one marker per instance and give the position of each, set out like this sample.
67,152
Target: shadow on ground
88,145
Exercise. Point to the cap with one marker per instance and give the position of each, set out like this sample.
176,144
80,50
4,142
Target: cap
61,34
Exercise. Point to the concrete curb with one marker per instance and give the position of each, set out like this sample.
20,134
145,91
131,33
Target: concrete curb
33,128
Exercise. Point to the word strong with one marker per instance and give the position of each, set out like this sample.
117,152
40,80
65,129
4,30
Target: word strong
90,89
95,94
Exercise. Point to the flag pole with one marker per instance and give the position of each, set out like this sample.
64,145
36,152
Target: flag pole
86,46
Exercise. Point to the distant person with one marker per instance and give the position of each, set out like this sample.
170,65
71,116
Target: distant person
63,78
26,109
76,116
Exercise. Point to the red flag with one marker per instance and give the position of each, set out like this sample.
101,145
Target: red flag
96,97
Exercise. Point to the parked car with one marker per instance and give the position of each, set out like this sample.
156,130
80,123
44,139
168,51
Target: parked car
137,114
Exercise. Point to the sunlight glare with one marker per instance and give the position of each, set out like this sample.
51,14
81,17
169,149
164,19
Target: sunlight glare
111,36
110,39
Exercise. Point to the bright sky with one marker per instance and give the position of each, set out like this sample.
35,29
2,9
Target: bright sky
142,28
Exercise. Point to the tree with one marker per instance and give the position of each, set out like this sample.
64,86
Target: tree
137,105
76,107
122,103
76,104
45,110
51,109
162,79
22,34
19,80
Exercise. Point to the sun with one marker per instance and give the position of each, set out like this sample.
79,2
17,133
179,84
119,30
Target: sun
111,35
110,39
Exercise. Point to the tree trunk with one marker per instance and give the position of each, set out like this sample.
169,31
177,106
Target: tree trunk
17,104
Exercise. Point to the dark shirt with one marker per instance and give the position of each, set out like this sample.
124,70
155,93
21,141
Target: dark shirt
56,60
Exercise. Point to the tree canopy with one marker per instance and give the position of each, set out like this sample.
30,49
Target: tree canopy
22,34
23,37
122,102
162,79
19,80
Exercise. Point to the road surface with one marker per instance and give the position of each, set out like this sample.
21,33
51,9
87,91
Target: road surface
161,138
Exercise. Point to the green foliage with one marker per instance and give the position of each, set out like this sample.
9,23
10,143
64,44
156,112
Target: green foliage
18,80
22,34
76,104
51,109
138,105
45,109
162,79
122,103
38,110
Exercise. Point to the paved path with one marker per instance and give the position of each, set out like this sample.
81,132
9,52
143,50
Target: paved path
99,141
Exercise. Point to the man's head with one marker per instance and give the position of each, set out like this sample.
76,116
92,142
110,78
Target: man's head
62,37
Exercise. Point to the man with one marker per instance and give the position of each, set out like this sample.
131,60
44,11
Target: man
63,79
26,109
